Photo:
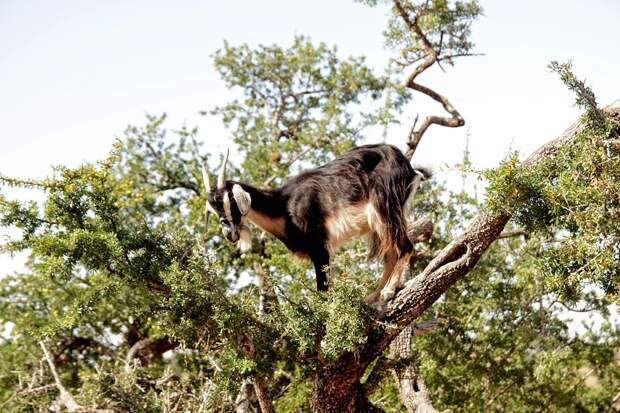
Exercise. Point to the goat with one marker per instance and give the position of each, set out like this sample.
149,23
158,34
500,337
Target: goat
362,192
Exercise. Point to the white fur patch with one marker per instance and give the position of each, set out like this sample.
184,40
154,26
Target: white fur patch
242,198
375,222
245,238
227,211
347,224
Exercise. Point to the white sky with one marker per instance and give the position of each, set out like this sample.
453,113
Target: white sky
73,74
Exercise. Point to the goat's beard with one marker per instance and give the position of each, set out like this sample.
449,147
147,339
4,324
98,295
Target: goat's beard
245,238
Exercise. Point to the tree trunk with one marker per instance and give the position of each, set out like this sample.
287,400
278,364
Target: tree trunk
337,387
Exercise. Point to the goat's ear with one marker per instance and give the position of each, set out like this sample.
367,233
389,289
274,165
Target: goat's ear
242,199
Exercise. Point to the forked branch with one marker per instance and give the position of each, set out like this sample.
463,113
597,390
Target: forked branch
431,57
65,399
456,259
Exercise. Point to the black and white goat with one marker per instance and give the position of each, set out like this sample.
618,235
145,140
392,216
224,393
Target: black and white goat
362,192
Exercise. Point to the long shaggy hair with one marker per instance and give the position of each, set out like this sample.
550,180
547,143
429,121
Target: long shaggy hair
364,191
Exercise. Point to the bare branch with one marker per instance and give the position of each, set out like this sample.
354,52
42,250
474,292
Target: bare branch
65,399
411,389
263,396
456,259
246,398
413,393
455,120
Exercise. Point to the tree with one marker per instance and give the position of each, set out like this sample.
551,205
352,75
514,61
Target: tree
130,303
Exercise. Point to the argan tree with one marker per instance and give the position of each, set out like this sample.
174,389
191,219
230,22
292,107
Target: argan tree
131,302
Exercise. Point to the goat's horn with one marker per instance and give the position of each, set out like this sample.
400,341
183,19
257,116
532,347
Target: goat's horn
222,177
205,179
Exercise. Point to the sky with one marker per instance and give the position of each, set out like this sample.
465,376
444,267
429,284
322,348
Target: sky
75,73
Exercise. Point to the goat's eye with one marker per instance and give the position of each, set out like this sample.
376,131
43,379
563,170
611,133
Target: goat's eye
224,222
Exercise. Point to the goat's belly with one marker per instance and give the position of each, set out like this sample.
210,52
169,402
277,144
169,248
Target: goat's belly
346,224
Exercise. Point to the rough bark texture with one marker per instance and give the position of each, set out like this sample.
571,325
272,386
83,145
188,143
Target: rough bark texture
337,387
246,398
263,396
411,388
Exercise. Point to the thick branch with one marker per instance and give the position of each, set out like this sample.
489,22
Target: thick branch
454,261
412,391
337,386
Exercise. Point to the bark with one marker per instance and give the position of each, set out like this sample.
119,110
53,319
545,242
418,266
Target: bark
411,388
337,387
263,396
246,398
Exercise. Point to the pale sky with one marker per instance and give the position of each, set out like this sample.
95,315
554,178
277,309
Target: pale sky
73,74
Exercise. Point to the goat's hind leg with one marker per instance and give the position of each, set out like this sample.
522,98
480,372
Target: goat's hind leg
394,278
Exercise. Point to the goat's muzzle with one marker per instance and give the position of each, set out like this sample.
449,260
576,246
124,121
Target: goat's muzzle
231,234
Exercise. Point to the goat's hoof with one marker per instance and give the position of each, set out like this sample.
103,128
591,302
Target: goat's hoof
372,297
387,294
378,305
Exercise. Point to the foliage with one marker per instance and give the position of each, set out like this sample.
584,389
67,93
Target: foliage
297,102
446,24
571,198
145,308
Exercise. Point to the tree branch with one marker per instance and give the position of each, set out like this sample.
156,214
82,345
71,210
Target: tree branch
455,120
65,399
453,262
263,395
412,391
513,233
246,398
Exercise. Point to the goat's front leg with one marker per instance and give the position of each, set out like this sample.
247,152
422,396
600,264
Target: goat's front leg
392,280
320,259
389,262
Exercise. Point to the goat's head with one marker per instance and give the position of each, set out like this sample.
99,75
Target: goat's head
230,203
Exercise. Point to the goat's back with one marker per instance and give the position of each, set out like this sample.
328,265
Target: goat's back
378,175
